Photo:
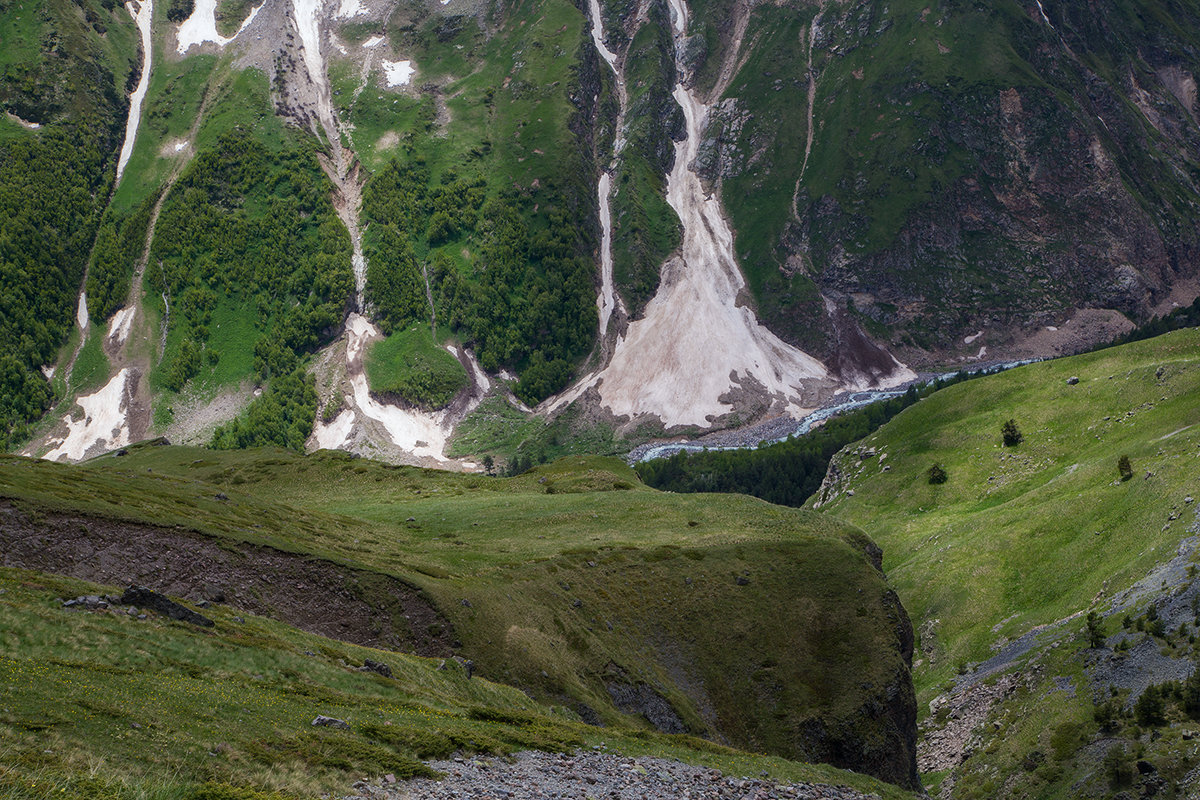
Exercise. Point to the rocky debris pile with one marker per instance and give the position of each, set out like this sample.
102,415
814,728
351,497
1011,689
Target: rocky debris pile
534,775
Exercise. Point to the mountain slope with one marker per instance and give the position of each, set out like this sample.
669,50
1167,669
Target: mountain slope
99,702
943,169
1001,563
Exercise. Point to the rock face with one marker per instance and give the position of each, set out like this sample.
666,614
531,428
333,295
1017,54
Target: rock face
938,173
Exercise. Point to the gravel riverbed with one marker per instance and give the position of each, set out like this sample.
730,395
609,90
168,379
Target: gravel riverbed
534,775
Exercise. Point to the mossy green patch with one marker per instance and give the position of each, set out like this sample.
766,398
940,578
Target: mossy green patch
410,365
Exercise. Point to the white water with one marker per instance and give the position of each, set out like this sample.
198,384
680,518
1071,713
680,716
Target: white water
201,26
103,422
856,400
142,17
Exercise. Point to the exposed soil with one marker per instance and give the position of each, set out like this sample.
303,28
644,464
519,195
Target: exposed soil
318,596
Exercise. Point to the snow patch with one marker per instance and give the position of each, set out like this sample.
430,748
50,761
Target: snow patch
81,313
48,370
482,381
598,35
201,26
374,41
179,145
350,8
1051,328
398,73
141,16
103,422
121,325
336,433
972,337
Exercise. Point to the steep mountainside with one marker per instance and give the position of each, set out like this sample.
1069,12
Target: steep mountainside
938,170
767,628
650,215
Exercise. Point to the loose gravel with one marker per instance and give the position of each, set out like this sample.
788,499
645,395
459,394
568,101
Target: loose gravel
597,775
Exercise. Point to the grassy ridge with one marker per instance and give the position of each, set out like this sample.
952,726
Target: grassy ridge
1026,535
565,571
100,704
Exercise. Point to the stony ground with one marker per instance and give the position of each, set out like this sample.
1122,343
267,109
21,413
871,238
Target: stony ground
588,774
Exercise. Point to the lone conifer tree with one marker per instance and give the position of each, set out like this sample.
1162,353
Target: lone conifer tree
1125,468
1012,434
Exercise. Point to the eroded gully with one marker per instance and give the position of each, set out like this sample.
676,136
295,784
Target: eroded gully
695,345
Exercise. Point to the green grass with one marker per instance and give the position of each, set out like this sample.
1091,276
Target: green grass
172,102
232,336
411,365
1023,536
565,569
499,429
230,15
91,366
75,683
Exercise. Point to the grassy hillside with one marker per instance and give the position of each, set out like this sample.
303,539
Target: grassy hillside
103,704
1019,537
572,581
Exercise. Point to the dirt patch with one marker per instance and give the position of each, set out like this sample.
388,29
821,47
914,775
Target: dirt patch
317,596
